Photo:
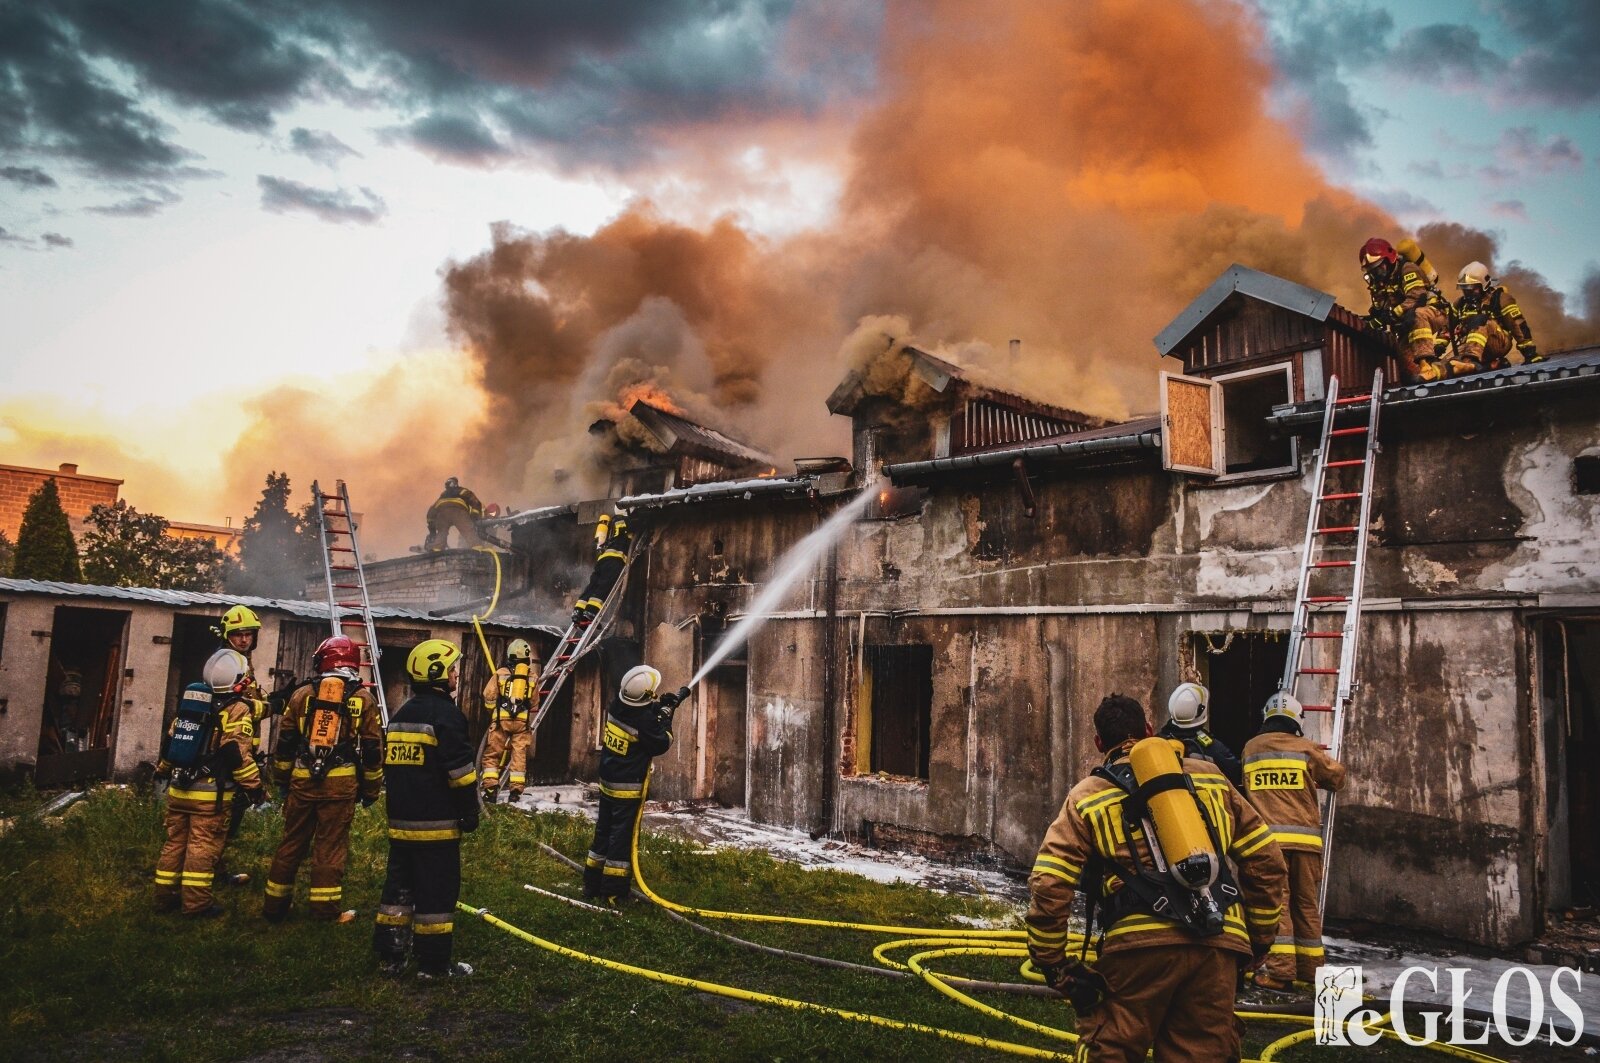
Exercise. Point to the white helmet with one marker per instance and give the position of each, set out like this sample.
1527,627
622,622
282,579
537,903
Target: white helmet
1189,705
639,685
226,670
1284,704
1473,273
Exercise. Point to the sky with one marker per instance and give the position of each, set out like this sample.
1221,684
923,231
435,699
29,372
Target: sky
390,242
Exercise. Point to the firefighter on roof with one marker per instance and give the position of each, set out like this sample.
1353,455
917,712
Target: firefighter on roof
638,729
456,507
1161,980
433,800
1406,306
1188,713
611,542
206,754
1282,772
329,755
508,700
1489,322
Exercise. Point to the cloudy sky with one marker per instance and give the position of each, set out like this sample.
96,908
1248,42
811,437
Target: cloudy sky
393,240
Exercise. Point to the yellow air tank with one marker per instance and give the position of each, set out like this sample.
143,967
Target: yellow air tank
1180,832
519,682
1411,251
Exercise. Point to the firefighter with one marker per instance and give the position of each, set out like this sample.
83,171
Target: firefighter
433,800
611,542
508,700
638,729
207,778
1165,981
456,507
1188,712
1407,307
329,756
1489,322
1282,773
241,630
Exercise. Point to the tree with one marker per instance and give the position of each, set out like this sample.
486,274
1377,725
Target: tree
45,547
277,550
8,551
126,548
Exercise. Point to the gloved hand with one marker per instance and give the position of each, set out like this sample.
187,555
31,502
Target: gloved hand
579,615
1258,952
1083,986
672,700
469,822
368,800
1377,320
283,794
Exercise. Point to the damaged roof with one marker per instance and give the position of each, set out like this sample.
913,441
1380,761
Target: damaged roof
190,599
940,374
679,435
738,490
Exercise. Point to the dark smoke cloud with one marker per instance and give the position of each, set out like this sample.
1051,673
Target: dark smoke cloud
336,205
320,147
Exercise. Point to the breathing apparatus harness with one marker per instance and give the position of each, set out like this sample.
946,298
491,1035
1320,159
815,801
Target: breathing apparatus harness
515,700
1194,891
331,722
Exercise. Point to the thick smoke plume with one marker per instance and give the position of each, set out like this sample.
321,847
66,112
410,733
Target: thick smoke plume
1067,176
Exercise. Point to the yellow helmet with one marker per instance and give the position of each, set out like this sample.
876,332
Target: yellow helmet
240,618
430,661
519,650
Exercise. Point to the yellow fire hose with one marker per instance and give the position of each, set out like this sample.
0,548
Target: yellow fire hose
945,943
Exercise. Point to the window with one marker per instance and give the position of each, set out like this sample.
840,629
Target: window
1247,399
1585,474
897,699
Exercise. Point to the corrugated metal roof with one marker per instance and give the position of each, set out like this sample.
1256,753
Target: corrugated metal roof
189,599
1263,286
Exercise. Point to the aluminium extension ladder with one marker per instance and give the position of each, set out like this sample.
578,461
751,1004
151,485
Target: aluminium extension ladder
1333,549
342,572
578,639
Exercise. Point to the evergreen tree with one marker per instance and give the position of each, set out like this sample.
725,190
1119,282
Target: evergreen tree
277,551
8,551
45,547
126,548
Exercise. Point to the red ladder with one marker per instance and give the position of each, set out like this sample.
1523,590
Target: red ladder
1331,529
348,604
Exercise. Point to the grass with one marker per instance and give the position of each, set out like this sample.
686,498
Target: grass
88,971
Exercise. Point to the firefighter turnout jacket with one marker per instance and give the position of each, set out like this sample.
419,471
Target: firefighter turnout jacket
228,768
1477,325
1406,290
331,750
634,736
1091,828
429,771
1282,773
1199,742
508,715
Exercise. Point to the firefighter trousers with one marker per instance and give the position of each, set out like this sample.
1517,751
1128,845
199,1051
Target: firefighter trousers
520,743
322,829
416,910
1421,331
1177,999
608,867
188,862
1297,951
441,519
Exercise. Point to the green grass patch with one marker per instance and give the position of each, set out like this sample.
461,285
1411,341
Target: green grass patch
88,971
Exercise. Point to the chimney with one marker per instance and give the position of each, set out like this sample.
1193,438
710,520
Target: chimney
69,468
1016,349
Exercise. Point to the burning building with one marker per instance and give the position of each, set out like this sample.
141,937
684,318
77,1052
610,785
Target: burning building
930,683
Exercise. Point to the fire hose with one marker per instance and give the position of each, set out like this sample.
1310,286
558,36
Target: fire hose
935,943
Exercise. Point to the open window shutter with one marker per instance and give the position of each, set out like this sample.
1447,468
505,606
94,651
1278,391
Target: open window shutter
1191,425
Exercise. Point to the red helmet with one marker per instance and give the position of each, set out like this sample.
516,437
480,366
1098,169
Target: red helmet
336,652
1378,250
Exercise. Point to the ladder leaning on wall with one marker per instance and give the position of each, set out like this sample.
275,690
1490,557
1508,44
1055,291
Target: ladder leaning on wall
1333,549
348,604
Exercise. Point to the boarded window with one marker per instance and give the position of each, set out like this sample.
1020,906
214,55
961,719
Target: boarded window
897,684
1190,432
1247,399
